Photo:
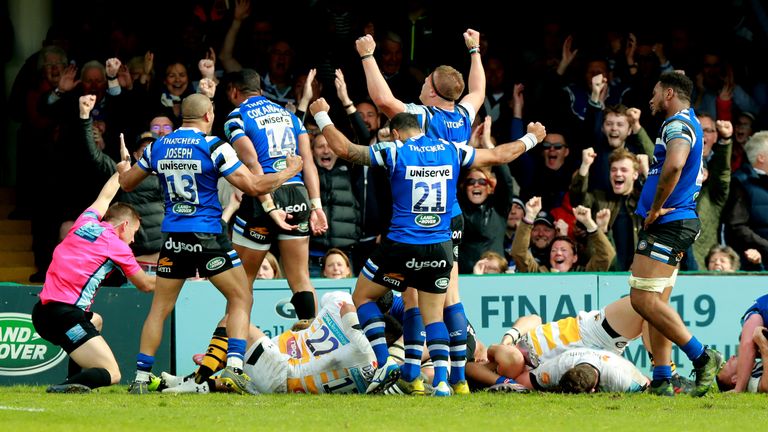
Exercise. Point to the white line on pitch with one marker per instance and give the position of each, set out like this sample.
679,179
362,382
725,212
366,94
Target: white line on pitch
9,408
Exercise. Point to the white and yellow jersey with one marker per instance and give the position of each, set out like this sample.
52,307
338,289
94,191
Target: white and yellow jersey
586,329
616,374
330,356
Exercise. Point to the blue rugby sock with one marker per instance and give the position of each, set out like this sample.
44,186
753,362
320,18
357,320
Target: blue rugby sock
413,338
693,349
372,322
662,372
437,342
236,353
456,323
144,362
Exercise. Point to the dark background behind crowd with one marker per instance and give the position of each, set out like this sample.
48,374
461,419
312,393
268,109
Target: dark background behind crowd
522,44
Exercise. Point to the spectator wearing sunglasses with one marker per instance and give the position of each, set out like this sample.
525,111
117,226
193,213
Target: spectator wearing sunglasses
485,199
160,126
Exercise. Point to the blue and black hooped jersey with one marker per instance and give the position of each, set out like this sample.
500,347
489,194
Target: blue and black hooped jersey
273,130
423,173
188,164
452,126
760,307
685,125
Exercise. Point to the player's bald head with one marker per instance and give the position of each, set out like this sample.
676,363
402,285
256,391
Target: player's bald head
195,106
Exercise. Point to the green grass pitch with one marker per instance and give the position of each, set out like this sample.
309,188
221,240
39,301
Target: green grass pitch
28,408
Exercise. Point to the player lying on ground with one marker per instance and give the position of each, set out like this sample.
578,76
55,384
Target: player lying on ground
746,371
332,355
610,328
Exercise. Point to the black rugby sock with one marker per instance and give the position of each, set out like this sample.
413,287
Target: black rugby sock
93,378
304,304
73,368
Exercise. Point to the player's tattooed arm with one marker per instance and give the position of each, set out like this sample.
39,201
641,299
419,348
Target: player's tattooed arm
358,154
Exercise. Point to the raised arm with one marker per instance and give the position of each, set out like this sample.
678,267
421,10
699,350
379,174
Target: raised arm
108,192
601,250
340,144
720,165
580,180
103,163
506,153
112,68
306,95
207,66
638,132
524,260
378,88
242,11
130,176
476,79
358,125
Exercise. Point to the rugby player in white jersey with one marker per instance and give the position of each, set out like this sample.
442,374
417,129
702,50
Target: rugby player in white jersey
331,355
586,370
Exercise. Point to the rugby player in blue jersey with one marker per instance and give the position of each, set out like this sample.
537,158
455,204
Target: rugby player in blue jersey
417,251
442,116
189,163
264,133
668,204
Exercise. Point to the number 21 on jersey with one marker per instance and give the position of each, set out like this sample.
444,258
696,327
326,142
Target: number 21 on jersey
428,192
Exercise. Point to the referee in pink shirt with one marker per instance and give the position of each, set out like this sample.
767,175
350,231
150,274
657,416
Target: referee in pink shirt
94,247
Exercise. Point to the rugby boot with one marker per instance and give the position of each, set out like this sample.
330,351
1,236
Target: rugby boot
238,382
403,387
706,373
68,388
384,377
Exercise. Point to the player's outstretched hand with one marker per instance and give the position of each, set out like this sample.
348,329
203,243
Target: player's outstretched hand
280,217
124,154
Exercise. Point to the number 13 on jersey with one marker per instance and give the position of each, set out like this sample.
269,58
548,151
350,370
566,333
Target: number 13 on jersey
180,178
428,192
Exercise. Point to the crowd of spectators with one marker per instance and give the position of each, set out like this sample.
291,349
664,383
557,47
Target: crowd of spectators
568,205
